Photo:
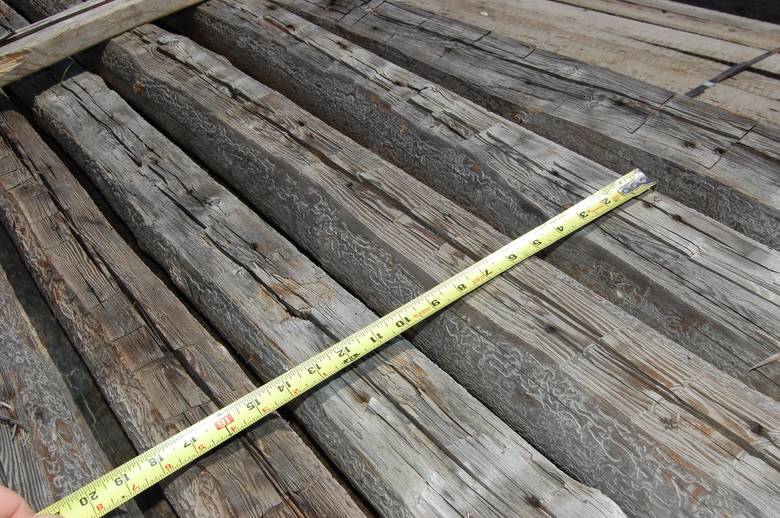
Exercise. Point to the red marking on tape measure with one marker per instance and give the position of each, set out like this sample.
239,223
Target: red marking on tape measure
222,422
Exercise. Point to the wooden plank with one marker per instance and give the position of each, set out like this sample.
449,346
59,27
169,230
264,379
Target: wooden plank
46,448
677,15
156,364
705,286
410,439
600,33
696,151
603,395
88,24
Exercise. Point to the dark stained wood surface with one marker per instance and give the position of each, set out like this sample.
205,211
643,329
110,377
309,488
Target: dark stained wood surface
702,156
158,367
603,395
409,437
697,281
46,448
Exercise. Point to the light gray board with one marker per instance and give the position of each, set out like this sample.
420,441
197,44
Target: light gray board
703,156
707,287
592,387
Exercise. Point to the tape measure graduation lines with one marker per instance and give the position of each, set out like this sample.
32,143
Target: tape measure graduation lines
128,480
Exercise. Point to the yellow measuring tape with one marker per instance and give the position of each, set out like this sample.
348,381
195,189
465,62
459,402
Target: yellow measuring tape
128,480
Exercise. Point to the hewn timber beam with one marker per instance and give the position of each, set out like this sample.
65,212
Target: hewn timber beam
697,281
82,26
46,447
720,164
605,396
408,437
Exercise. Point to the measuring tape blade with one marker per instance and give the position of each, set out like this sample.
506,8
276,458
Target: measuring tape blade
128,480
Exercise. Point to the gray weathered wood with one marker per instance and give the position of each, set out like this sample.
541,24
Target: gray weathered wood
158,367
702,155
78,31
605,396
700,283
409,437
46,447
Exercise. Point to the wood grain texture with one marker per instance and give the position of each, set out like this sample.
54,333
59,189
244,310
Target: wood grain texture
81,31
700,283
408,437
640,42
693,20
158,367
603,395
701,155
46,448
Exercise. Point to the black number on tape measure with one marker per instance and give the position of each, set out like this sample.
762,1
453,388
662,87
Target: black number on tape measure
84,500
606,201
403,322
584,214
121,480
559,228
462,287
284,386
344,351
153,461
375,338
315,369
435,303
537,242
189,442
512,257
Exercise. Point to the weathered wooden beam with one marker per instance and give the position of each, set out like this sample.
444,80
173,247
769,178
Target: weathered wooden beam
158,367
408,436
697,281
605,396
46,448
717,163
84,26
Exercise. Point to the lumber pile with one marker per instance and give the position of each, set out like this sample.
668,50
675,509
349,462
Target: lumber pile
226,119
398,395
153,360
686,271
278,309
715,162
271,187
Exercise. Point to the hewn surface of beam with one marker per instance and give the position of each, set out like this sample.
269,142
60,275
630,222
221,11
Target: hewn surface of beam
46,448
411,439
702,284
715,162
40,49
603,395
159,368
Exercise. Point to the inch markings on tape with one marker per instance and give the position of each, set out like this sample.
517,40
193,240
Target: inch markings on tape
125,482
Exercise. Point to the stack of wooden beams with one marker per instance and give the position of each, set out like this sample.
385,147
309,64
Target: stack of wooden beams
212,199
